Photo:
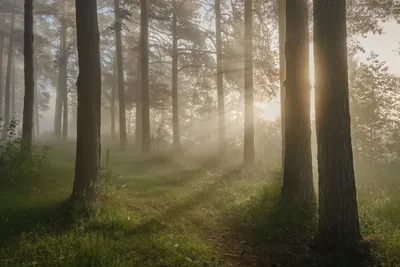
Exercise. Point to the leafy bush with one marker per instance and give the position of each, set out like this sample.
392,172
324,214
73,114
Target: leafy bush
15,165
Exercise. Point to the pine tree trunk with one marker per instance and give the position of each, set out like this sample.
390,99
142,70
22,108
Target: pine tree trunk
249,151
27,125
7,105
144,64
220,80
13,80
89,103
338,214
1,75
113,100
297,171
120,72
282,68
175,112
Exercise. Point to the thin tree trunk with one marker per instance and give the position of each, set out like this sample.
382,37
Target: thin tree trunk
144,64
120,72
59,92
27,125
249,151
297,171
64,78
282,69
89,103
13,80
2,37
113,99
37,99
220,80
7,117
175,111
338,213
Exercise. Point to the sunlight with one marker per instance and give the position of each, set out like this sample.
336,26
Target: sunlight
272,108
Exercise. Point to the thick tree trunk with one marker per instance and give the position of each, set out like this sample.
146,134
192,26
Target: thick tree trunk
144,65
220,80
120,72
27,125
7,105
338,214
1,77
249,151
113,100
297,171
175,112
282,69
89,103
13,85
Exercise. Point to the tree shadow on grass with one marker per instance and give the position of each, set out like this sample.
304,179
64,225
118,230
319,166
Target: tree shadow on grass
271,232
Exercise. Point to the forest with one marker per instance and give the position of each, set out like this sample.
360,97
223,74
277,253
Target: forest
233,133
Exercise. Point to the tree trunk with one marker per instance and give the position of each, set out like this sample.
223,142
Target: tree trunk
59,92
7,116
13,80
27,122
89,103
282,69
175,112
120,72
297,171
338,214
1,75
64,82
249,151
144,64
113,99
220,80
37,99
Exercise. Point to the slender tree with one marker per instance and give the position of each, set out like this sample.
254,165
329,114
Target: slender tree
297,171
338,214
120,72
249,151
64,77
220,79
89,102
13,87
27,122
2,38
144,65
175,111
113,99
7,105
282,68
37,99
60,86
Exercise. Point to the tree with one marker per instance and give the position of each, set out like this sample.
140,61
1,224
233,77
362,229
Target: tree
89,102
2,38
338,213
297,171
282,68
27,123
249,151
113,98
175,112
220,79
144,63
7,105
120,73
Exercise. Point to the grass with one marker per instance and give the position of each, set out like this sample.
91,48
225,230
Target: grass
160,211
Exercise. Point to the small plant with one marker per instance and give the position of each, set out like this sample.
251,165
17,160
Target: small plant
16,166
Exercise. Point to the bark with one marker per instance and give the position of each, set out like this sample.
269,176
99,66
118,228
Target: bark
338,214
175,112
144,65
27,123
120,73
113,99
89,103
7,105
282,68
37,99
13,80
59,91
220,80
249,151
64,79
1,74
297,171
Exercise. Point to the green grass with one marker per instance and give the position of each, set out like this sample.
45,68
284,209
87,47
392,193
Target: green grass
161,211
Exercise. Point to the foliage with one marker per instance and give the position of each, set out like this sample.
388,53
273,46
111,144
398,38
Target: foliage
17,167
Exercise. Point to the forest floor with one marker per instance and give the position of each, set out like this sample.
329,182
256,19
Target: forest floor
159,211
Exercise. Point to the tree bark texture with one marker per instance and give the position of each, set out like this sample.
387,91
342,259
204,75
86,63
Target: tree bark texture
175,104
1,76
282,68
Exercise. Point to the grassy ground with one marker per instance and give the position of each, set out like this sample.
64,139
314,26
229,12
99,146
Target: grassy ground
159,211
